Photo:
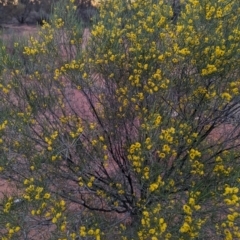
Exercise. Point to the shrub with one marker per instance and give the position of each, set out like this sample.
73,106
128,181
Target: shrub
36,12
130,132
8,12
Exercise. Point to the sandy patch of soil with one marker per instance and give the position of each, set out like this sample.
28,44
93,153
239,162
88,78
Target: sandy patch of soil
17,31
6,188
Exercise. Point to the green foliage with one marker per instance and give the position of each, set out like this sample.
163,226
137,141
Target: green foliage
124,131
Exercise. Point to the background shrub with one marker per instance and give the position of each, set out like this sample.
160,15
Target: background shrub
35,12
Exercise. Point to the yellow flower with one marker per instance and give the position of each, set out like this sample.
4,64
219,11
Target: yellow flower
73,235
197,207
184,51
229,190
187,209
90,232
191,201
194,153
63,227
152,231
153,187
82,231
162,155
58,215
89,184
46,195
49,148
163,227
228,235
168,236
166,148
62,203
161,57
185,228
145,213
226,96
230,217
37,197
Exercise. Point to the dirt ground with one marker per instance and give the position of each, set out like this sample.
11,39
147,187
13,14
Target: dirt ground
17,30
6,188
